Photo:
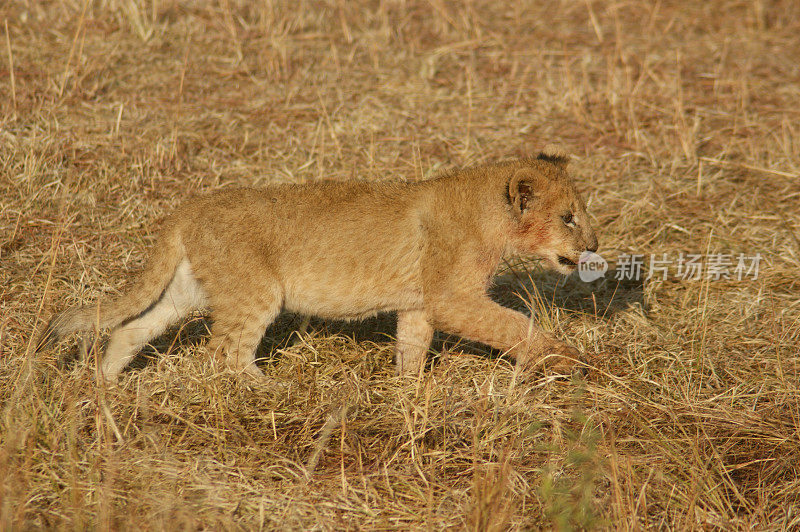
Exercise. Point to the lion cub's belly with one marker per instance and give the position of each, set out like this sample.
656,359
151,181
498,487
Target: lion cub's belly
340,293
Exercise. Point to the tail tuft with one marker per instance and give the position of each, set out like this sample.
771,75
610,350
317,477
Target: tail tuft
47,335
62,324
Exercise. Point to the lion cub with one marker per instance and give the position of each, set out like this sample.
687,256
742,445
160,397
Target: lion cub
427,250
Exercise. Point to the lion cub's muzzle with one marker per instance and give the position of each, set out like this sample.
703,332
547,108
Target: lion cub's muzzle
591,246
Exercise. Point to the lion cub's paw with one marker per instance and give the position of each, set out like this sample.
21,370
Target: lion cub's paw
255,375
557,357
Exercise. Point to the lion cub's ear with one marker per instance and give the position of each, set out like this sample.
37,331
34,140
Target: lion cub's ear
523,189
554,155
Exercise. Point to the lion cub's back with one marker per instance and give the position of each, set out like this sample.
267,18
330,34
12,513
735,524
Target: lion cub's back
341,249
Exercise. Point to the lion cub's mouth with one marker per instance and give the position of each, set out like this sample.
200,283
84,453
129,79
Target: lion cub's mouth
566,262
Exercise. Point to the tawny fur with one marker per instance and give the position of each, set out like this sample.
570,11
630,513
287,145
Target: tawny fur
427,250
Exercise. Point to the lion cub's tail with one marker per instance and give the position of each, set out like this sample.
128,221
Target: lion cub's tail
145,290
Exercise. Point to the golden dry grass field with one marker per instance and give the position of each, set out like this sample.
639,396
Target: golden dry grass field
684,122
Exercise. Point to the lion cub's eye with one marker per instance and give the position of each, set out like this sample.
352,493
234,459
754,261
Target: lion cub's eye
568,220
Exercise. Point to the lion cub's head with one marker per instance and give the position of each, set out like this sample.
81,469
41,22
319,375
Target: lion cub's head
549,213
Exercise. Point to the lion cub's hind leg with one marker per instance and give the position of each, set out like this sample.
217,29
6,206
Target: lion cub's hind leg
414,335
183,294
239,325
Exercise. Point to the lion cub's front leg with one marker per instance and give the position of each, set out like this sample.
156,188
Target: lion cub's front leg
478,318
414,335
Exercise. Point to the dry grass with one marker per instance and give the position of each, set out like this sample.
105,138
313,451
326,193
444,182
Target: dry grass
684,119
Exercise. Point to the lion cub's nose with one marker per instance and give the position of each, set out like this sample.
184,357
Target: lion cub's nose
592,246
